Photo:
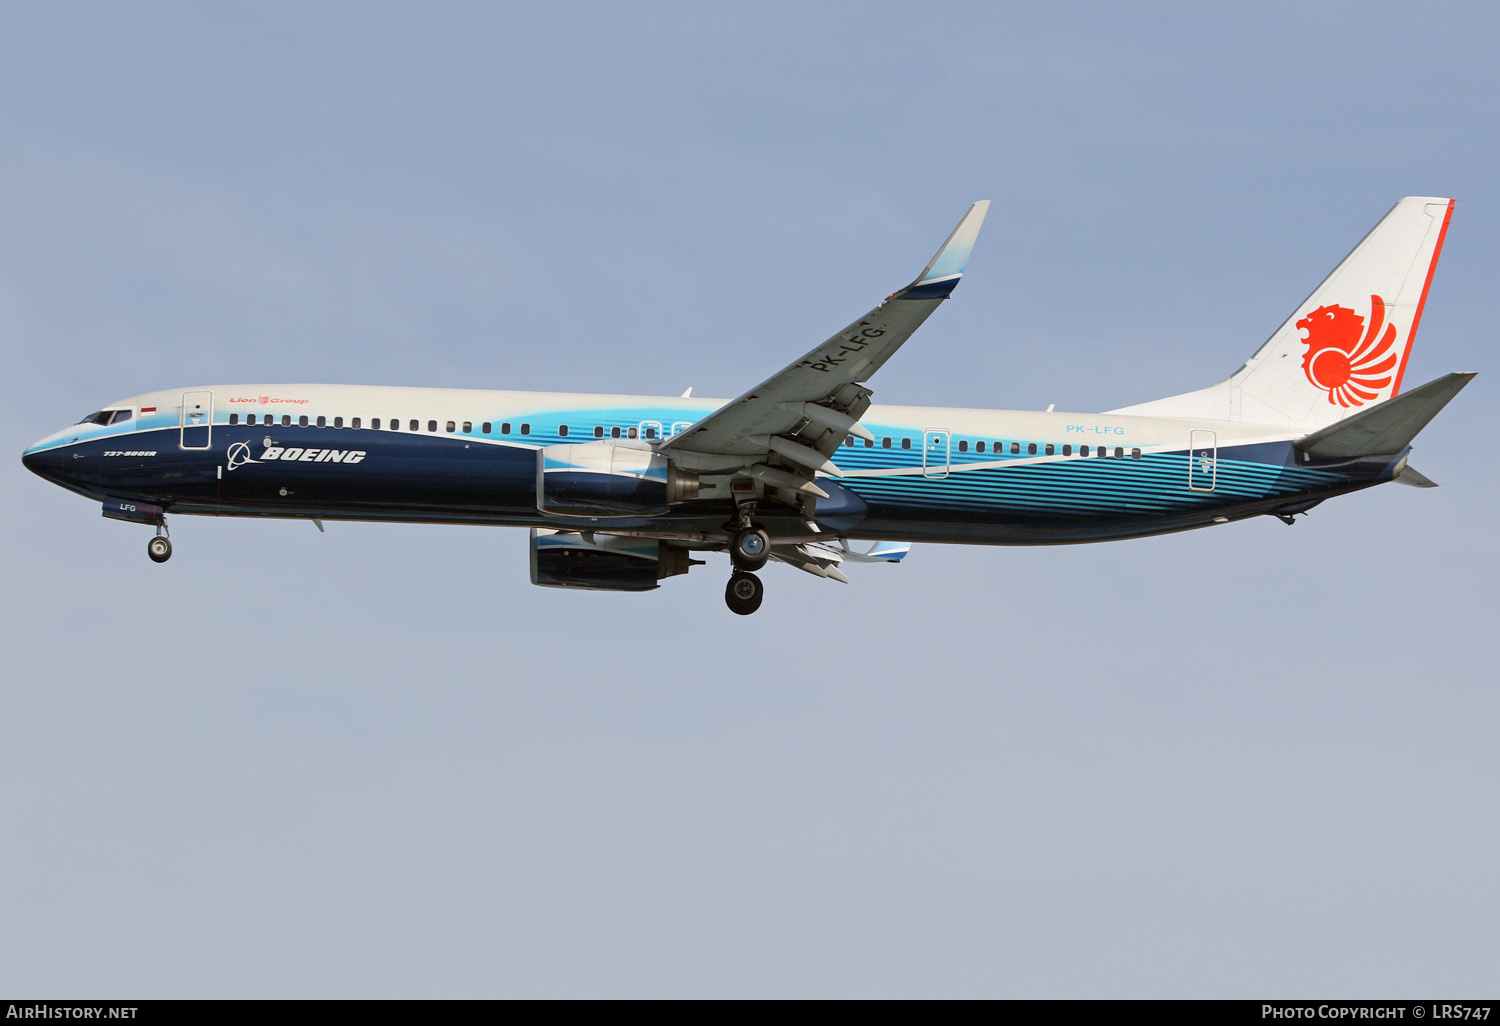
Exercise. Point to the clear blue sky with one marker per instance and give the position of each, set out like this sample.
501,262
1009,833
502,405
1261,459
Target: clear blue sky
377,762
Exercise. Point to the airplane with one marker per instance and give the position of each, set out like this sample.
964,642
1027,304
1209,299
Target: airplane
621,492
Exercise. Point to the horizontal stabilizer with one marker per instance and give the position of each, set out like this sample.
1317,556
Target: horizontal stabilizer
1386,428
1408,476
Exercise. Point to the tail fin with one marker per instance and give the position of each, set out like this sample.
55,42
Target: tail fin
1345,346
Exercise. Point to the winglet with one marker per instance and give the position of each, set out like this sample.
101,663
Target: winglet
940,277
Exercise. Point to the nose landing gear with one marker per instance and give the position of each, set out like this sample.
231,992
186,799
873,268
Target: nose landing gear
160,547
744,593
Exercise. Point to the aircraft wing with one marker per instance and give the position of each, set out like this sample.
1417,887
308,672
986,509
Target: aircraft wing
800,416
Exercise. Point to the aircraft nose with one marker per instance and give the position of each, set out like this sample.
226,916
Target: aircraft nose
46,463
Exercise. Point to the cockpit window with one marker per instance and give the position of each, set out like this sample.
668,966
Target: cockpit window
107,417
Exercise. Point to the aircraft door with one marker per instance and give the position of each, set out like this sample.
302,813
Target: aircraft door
1203,461
651,430
197,420
680,426
936,447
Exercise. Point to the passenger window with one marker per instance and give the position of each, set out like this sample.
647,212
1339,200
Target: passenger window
1135,454
286,420
250,419
598,431
885,443
468,427
432,425
1119,452
338,422
614,432
848,441
562,431
505,427
302,421
979,447
1015,448
1067,450
1031,449
1050,450
354,423
485,427
452,427
414,425
322,422
375,423
525,429
234,418
906,443
651,432
963,446
1103,451
630,433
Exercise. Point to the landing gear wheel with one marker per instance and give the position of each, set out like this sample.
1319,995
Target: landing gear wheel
744,593
159,549
750,549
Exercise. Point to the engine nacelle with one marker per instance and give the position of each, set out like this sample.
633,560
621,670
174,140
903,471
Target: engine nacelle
602,562
602,479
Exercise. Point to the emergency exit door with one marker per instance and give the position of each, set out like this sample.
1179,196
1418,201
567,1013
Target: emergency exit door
197,421
1203,461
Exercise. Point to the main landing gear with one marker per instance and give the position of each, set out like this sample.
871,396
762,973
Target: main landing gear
744,593
749,548
160,547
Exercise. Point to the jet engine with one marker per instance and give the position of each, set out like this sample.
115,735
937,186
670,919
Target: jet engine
565,559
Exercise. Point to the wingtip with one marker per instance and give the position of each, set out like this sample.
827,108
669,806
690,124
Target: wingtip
939,278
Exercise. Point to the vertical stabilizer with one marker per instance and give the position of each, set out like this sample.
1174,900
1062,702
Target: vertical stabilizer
1345,347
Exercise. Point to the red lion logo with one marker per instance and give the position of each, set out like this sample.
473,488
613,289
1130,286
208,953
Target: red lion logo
1350,369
